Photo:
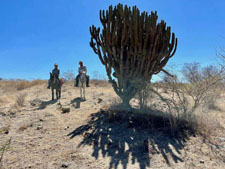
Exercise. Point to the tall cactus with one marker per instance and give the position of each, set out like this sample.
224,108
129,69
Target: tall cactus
132,46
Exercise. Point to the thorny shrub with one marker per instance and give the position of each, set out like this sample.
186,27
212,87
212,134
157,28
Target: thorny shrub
187,99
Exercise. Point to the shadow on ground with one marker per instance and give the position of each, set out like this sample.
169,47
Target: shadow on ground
77,100
126,136
44,104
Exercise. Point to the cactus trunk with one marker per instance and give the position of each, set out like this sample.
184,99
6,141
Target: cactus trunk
132,46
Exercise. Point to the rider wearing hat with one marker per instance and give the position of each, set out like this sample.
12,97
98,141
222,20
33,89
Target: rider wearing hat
56,72
81,69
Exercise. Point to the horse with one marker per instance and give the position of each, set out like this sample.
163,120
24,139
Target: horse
55,83
83,83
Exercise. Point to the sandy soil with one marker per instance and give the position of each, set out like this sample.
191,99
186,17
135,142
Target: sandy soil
43,137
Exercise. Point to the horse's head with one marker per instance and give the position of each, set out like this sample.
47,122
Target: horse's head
83,76
53,77
50,75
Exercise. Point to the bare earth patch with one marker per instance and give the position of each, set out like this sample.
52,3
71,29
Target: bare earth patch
83,138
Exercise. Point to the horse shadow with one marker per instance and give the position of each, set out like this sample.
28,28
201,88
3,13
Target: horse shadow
128,136
77,100
44,104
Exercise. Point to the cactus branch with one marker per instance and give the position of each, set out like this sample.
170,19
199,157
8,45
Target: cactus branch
132,46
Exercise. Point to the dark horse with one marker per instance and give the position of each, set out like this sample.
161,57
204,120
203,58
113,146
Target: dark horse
55,83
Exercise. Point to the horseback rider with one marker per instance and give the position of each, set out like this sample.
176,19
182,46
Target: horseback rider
55,72
81,69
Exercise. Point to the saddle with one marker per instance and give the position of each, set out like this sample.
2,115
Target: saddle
83,77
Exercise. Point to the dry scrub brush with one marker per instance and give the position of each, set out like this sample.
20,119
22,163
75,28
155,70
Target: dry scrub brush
20,99
8,85
21,85
185,101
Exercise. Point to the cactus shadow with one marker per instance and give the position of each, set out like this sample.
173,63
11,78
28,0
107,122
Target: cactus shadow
130,137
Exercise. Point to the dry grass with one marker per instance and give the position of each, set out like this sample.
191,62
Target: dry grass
20,99
207,126
100,83
20,84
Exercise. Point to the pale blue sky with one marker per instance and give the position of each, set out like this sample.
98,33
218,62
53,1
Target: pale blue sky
35,34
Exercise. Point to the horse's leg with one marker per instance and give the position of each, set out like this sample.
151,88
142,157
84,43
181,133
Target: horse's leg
52,94
59,93
84,92
81,91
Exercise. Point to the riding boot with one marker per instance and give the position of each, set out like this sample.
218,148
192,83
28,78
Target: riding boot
87,81
77,80
48,84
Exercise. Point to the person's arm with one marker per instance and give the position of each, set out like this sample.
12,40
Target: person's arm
85,69
79,70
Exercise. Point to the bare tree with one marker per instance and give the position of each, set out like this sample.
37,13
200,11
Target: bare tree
221,55
68,75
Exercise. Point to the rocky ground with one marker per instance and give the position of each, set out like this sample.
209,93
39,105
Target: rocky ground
45,136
